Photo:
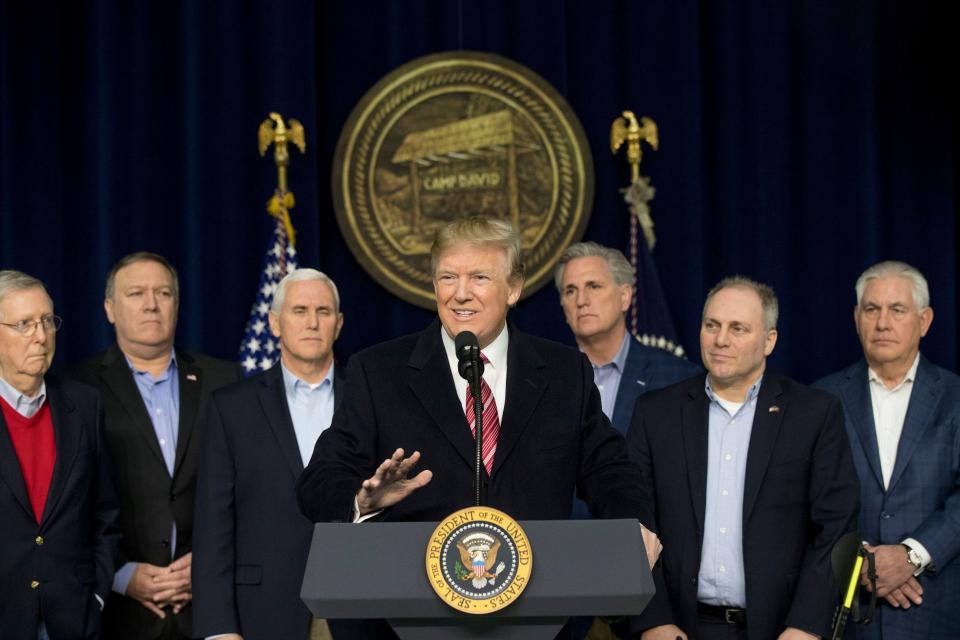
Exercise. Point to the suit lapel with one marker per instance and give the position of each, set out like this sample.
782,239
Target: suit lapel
695,422
926,394
428,376
190,379
763,437
10,471
634,374
119,379
855,394
525,386
67,427
273,399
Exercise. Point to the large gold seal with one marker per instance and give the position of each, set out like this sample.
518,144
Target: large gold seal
457,134
479,560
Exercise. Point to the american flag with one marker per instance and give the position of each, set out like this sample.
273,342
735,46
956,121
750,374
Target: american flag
260,350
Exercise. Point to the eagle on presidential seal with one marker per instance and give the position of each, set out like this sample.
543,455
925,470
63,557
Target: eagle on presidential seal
478,552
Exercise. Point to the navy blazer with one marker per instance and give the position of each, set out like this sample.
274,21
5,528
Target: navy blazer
646,369
800,497
553,436
923,499
71,553
250,540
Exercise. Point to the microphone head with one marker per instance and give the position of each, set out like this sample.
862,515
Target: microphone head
465,343
468,352
465,367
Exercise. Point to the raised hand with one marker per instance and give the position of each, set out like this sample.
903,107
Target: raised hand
390,484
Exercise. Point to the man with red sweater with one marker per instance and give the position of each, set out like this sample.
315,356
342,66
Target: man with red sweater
57,502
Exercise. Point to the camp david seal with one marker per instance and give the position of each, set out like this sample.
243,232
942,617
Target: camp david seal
451,135
479,560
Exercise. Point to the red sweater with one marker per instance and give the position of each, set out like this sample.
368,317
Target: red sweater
36,450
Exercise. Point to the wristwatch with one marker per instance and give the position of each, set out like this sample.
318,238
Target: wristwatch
913,558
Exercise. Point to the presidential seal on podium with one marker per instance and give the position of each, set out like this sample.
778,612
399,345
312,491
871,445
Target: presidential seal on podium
479,560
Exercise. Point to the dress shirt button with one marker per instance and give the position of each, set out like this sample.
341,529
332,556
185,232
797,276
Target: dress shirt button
727,457
722,569
34,584
724,492
38,540
723,529
885,515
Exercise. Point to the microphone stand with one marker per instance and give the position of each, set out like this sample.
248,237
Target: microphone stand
476,376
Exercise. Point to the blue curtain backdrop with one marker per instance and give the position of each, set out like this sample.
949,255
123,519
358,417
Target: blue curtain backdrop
800,142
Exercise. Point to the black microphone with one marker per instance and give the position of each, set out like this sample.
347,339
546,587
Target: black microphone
468,357
470,366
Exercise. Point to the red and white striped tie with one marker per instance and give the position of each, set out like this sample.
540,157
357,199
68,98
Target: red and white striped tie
491,421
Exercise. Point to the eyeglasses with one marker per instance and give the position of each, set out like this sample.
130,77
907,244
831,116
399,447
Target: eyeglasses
27,328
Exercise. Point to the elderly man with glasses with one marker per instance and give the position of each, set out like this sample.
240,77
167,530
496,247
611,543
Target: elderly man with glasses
57,503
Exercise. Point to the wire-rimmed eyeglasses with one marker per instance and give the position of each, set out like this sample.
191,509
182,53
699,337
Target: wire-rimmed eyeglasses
27,328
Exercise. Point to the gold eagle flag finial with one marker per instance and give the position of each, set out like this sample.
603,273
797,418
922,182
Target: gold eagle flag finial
274,131
627,129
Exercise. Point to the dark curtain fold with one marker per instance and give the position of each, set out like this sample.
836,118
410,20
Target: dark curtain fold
800,142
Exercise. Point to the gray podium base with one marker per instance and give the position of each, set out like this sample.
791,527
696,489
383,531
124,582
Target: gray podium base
501,629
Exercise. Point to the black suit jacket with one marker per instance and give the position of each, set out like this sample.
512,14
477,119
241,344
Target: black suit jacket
150,500
250,539
71,552
553,436
800,497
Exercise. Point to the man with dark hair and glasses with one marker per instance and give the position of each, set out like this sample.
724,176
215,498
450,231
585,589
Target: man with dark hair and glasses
154,402
57,503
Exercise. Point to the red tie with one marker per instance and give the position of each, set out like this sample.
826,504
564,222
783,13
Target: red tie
491,421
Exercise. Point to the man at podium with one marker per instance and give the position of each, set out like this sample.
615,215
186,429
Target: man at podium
401,446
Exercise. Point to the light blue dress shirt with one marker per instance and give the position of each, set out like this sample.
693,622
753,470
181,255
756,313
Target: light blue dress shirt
607,377
161,397
721,580
311,408
20,402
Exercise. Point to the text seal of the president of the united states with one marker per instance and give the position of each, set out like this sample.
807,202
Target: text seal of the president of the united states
458,134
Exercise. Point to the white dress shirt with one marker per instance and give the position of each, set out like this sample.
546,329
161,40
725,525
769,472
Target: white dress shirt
494,371
889,412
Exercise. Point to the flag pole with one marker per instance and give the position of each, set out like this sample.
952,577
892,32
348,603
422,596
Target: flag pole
259,350
626,129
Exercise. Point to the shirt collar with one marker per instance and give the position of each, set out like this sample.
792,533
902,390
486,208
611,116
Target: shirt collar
19,400
291,383
752,392
496,351
620,360
910,377
171,367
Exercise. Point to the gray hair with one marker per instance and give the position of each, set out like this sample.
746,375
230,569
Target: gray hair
11,281
142,256
620,269
896,269
302,275
768,299
481,232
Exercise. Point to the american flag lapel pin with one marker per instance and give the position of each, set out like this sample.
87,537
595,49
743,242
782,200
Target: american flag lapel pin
774,409
192,377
